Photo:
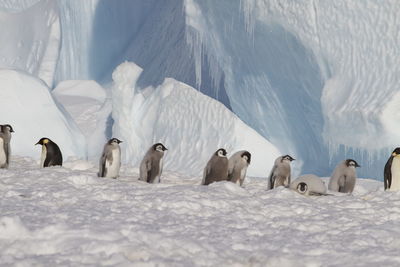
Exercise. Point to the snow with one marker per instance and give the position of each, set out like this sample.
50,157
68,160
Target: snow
66,216
27,105
191,125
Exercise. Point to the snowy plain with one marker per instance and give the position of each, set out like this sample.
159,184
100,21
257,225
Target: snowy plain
67,216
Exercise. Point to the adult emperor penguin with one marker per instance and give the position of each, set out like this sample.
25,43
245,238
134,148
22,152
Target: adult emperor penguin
392,171
110,161
344,177
51,153
5,150
237,166
309,185
280,173
152,164
217,168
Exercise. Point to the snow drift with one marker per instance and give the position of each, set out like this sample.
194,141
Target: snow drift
191,125
27,105
62,216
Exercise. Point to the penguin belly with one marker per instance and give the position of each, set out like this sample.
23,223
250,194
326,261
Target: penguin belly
43,156
113,168
158,177
395,186
3,156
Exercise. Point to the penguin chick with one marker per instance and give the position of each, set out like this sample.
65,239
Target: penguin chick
152,164
5,148
110,161
344,177
217,168
237,166
309,185
280,173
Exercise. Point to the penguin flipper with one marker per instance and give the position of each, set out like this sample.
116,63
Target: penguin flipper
145,168
271,179
7,151
206,172
387,175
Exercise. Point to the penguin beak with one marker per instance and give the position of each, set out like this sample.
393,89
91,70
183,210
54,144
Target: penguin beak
119,141
357,165
37,143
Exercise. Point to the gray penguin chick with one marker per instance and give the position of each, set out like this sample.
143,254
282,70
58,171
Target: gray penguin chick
237,166
152,164
110,160
280,173
5,148
344,177
217,168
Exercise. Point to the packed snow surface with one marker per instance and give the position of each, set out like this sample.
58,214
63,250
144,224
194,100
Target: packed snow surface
68,216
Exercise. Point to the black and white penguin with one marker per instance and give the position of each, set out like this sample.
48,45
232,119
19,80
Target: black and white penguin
152,164
217,168
5,148
392,171
51,153
281,172
237,166
110,161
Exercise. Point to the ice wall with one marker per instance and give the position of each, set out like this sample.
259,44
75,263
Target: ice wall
190,124
317,78
30,37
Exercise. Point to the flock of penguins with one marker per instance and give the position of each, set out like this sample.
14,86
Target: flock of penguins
218,168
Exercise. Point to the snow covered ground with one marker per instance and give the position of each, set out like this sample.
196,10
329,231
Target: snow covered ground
68,216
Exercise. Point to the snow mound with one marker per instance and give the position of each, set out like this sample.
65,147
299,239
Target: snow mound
26,104
86,102
191,125
61,216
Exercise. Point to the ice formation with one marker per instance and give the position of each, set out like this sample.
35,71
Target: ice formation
191,125
318,79
27,104
87,103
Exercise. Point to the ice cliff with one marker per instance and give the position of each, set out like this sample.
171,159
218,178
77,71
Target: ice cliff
318,79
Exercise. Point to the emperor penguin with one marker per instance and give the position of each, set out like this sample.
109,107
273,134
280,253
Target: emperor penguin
152,164
309,185
110,160
344,177
5,149
51,153
217,168
392,171
237,166
280,173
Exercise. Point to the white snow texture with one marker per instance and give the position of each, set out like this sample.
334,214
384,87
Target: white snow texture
66,216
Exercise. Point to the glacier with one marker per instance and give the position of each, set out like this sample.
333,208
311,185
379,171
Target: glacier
317,79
